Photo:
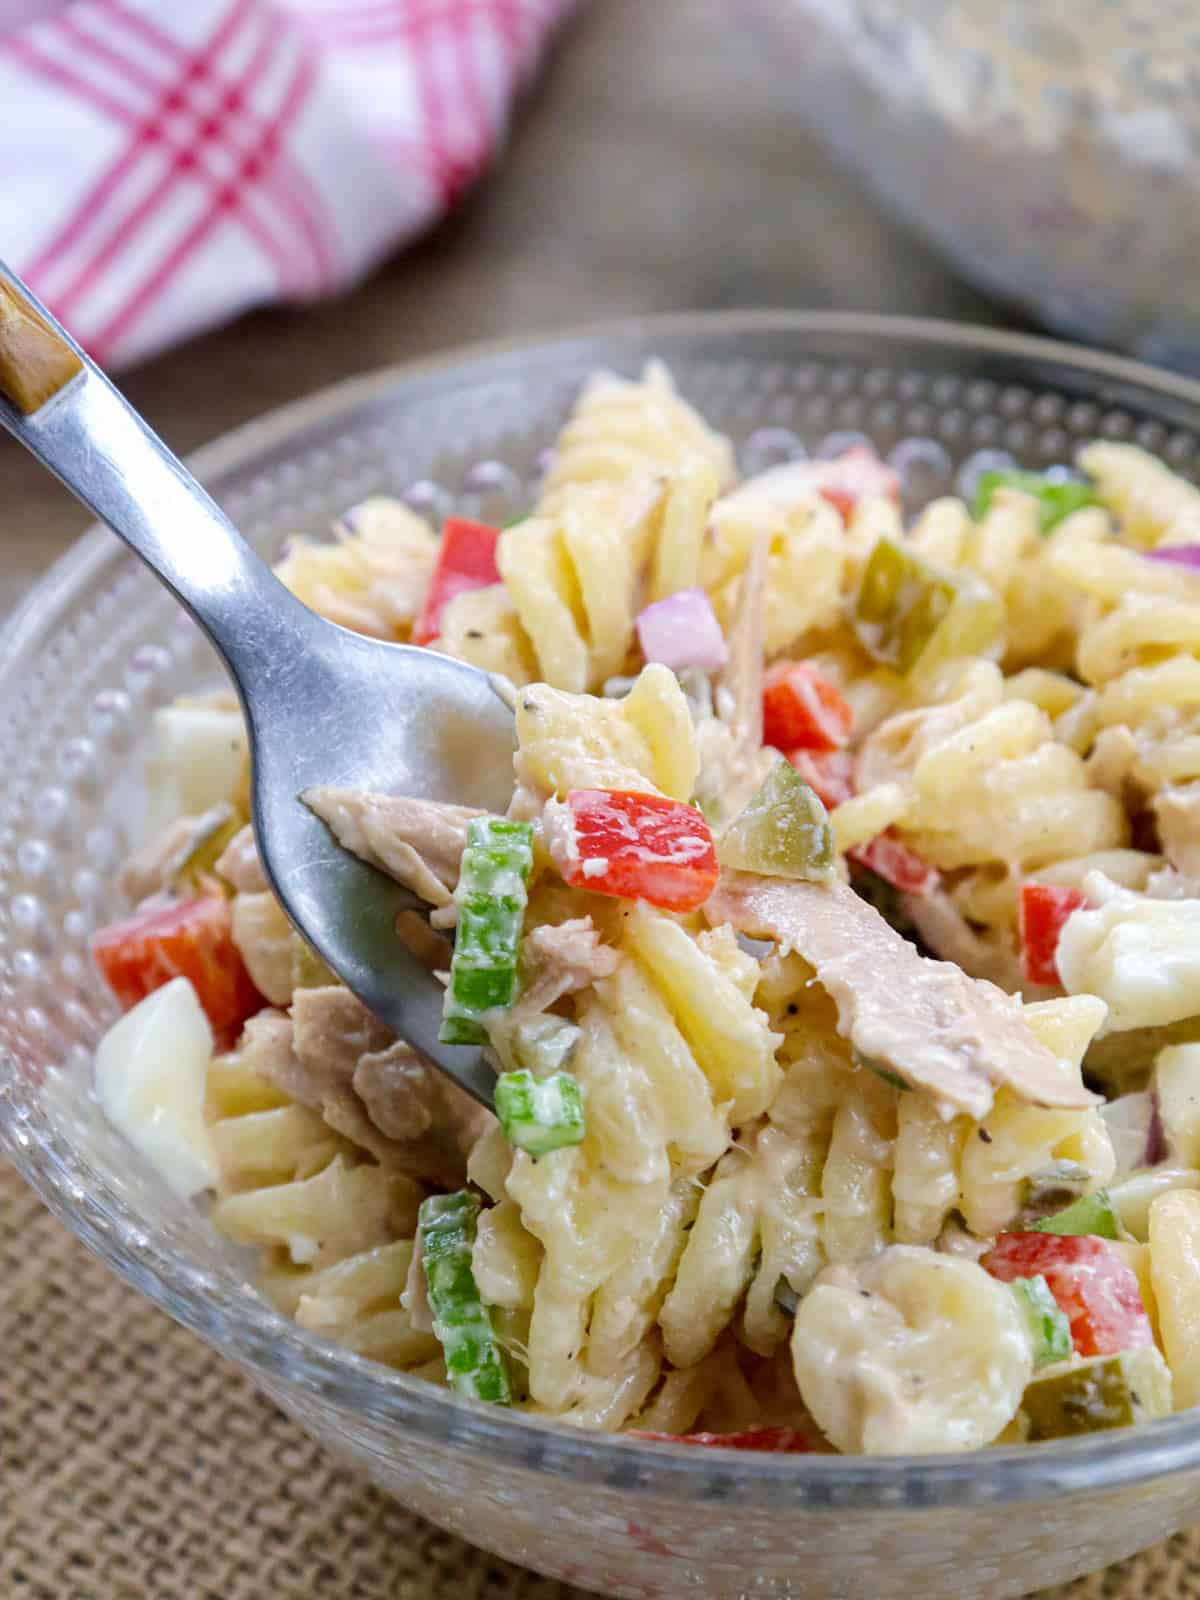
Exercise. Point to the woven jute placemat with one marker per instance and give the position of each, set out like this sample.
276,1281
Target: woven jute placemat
136,1465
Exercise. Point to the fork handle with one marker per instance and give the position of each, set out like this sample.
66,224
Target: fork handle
57,403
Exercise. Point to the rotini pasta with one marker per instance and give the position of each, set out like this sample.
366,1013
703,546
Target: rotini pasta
575,742
374,578
575,575
1148,499
335,1231
623,431
806,553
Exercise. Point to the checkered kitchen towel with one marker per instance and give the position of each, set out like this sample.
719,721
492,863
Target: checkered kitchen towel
166,164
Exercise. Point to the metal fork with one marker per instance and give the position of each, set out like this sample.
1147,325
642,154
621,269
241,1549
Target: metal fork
322,705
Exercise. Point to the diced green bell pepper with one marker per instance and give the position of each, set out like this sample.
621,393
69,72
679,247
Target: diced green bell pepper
1056,499
491,897
783,833
1091,1213
476,1365
1049,1330
910,613
539,1115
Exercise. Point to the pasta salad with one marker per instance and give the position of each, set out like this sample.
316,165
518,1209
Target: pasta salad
838,957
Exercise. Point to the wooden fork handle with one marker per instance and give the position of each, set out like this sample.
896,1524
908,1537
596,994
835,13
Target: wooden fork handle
34,362
57,403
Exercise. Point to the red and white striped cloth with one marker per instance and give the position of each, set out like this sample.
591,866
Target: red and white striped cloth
166,164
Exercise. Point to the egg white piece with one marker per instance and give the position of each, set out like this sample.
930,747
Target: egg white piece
149,1074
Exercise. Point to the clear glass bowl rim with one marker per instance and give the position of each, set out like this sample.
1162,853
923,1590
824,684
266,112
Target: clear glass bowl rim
274,1349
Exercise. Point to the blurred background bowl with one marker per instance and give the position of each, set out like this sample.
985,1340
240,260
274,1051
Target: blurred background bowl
1050,148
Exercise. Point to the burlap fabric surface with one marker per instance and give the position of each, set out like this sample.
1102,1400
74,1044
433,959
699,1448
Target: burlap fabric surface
136,1465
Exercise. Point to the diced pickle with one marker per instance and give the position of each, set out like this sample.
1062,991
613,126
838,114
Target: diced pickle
783,833
1090,1213
1049,1330
1051,1189
910,613
1105,1392
196,860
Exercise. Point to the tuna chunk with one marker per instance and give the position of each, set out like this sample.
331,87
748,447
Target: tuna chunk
267,1048
417,842
387,1100
421,1111
334,1030
562,958
956,1037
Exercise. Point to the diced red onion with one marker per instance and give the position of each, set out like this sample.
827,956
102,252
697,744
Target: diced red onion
682,631
1157,1146
1178,555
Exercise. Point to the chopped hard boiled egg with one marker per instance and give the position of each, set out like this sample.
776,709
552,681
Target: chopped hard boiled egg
1140,956
150,1080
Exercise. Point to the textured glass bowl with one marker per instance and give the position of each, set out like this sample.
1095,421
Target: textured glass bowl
98,645
1051,148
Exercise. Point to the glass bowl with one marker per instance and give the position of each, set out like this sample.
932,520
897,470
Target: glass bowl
98,644
1050,150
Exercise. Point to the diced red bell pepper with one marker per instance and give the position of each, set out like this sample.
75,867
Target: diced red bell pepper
466,559
190,939
894,862
778,1439
1042,910
802,710
857,474
1094,1288
831,774
636,846
828,773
